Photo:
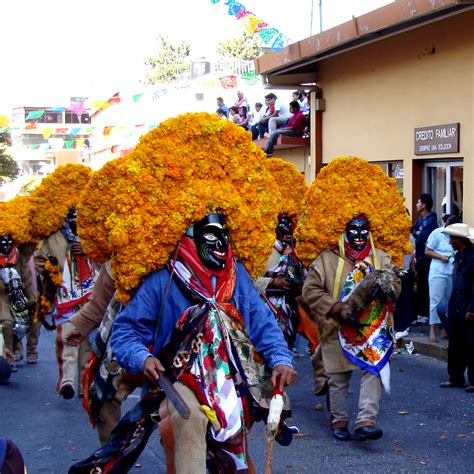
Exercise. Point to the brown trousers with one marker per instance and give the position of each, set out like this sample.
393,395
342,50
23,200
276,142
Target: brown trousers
369,399
70,357
184,441
111,411
320,376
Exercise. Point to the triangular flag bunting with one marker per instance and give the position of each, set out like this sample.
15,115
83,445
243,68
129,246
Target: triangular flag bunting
34,114
46,132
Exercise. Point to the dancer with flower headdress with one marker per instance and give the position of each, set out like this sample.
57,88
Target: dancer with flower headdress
199,208
352,284
17,290
284,274
68,275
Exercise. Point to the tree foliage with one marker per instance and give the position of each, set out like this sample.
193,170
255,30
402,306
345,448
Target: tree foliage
246,46
171,60
5,138
8,167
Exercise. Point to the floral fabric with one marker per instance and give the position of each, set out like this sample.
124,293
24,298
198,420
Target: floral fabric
370,345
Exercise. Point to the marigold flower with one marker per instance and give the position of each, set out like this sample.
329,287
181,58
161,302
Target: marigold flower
345,188
291,184
15,216
55,195
136,208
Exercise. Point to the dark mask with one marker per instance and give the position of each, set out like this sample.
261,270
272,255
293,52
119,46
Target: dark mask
6,244
212,241
71,219
284,230
357,233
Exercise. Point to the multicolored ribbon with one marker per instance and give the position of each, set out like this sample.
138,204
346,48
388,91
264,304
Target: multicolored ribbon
270,36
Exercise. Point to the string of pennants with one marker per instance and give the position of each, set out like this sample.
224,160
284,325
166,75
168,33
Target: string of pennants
269,35
108,131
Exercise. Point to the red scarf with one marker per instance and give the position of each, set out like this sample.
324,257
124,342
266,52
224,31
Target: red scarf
9,260
356,255
200,279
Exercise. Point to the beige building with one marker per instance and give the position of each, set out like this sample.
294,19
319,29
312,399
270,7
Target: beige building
395,87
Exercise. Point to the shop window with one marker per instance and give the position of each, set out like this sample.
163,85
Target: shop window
53,117
72,117
394,169
444,181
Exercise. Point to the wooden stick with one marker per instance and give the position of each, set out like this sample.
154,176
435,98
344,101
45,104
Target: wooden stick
268,453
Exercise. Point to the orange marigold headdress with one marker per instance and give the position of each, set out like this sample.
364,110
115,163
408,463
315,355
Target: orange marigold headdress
291,184
136,208
15,216
52,199
345,188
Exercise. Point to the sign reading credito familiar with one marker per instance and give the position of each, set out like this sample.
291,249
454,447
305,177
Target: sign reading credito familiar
437,139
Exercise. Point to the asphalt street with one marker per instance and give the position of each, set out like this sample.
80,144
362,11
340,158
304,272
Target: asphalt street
426,428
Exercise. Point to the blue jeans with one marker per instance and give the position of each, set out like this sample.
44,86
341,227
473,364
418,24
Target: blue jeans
440,290
274,137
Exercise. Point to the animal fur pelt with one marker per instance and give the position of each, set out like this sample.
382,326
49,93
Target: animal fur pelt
378,285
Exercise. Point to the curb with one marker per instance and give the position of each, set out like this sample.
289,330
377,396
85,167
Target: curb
419,335
431,349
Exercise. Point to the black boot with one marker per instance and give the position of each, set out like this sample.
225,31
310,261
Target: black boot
367,432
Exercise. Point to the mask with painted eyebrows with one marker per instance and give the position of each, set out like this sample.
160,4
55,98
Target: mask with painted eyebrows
212,241
6,244
357,233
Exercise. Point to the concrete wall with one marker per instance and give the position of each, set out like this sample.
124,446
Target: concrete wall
376,95
297,156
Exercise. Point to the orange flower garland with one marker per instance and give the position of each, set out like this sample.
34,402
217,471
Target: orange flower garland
54,273
52,199
137,208
15,216
345,188
43,307
291,184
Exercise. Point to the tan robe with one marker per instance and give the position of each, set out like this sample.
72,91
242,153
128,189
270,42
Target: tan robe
318,295
57,246
24,271
91,314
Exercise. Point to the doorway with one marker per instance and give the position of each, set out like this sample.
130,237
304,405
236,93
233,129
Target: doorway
444,181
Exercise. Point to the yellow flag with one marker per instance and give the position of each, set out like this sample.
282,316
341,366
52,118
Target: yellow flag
46,132
100,104
251,23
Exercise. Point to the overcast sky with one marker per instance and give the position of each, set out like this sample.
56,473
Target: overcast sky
54,49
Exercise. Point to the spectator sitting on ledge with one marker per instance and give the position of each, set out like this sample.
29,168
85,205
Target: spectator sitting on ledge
294,128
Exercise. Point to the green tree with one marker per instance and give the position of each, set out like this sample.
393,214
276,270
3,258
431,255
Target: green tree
171,60
247,46
8,166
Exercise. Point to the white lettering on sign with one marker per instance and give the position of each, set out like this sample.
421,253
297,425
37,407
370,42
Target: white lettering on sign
442,138
424,135
445,132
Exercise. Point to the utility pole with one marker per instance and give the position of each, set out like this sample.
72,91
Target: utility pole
320,16
320,12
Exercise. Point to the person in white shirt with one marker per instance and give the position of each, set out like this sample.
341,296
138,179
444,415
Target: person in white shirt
441,253
254,117
281,115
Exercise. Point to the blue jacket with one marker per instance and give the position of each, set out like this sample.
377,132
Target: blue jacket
134,328
421,231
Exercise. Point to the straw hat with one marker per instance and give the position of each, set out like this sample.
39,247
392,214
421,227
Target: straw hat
459,230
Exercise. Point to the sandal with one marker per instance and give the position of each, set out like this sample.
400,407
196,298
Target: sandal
470,389
433,339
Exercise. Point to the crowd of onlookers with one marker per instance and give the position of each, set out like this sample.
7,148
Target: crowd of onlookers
437,287
271,119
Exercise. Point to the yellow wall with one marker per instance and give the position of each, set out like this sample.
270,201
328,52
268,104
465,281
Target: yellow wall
376,95
297,156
